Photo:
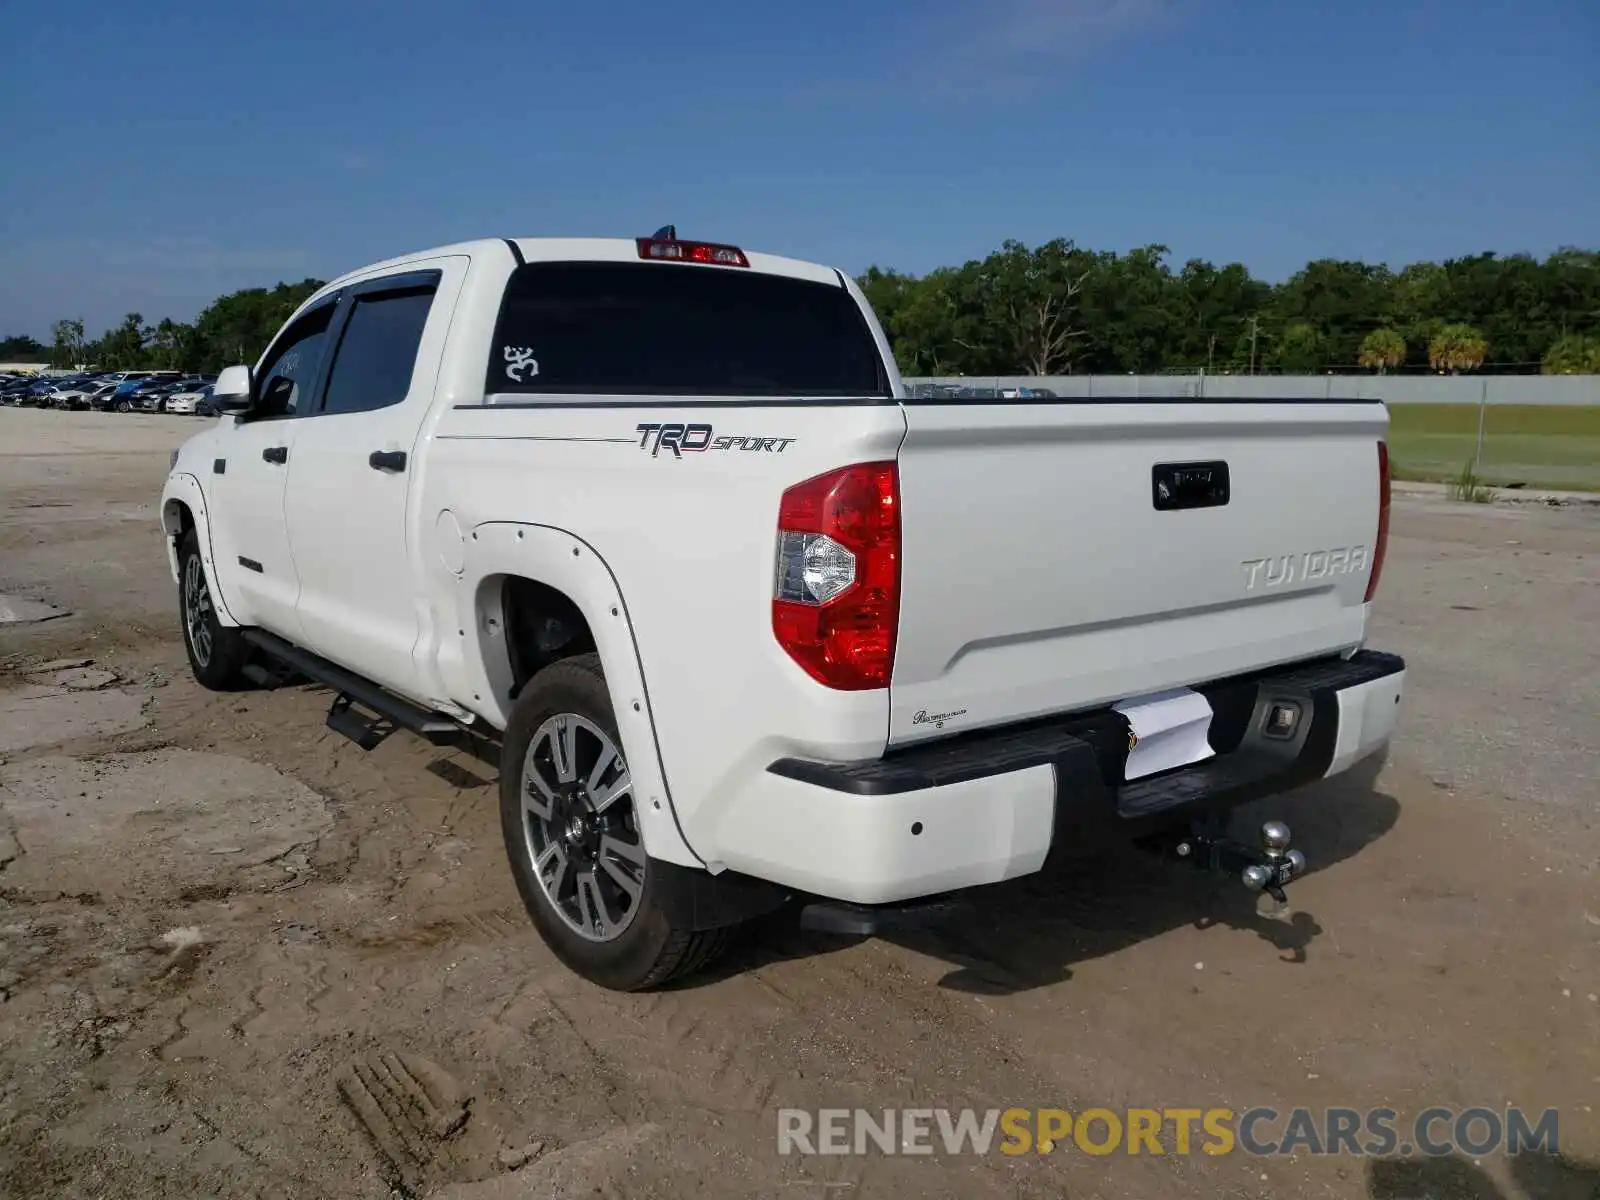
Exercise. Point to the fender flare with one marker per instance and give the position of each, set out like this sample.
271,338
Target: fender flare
561,560
183,488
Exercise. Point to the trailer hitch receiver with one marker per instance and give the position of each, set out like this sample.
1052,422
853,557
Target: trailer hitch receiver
1264,869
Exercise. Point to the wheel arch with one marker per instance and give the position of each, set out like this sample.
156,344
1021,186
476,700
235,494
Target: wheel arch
183,507
516,575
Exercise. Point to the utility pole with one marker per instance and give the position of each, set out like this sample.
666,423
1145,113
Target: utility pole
1255,326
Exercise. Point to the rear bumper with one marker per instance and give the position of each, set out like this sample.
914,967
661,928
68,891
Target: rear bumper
986,807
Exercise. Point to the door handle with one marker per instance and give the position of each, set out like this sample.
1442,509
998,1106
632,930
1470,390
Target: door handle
276,454
387,460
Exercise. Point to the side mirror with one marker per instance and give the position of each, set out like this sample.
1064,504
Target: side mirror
234,391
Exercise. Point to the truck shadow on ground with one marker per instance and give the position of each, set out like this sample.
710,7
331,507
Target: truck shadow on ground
1100,894
1536,1176
1096,895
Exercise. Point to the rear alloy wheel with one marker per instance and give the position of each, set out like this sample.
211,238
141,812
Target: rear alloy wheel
124,406
217,652
580,829
572,832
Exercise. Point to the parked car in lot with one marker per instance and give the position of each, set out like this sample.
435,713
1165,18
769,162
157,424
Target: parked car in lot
57,395
132,391
70,396
73,391
43,391
13,391
39,392
122,395
151,395
99,395
814,639
189,398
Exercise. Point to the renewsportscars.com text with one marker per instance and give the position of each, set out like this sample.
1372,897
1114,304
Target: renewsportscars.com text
1372,1132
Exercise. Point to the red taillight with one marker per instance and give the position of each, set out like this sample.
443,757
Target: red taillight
1381,543
836,598
672,250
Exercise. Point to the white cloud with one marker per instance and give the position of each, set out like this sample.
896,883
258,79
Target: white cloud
1063,26
998,52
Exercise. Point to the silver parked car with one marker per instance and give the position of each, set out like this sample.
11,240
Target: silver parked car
190,402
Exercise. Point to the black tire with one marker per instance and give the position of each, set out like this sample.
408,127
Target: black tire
124,406
649,950
217,652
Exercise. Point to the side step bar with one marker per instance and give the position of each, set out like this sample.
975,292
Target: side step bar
393,711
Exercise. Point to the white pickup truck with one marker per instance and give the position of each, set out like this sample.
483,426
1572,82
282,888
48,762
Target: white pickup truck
748,623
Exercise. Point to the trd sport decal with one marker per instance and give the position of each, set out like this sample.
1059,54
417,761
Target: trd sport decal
691,439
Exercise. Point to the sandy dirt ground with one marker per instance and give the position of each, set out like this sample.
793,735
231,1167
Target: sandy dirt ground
240,957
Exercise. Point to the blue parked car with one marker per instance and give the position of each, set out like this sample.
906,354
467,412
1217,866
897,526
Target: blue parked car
39,389
128,395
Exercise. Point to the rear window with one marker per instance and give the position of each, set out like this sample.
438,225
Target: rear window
661,329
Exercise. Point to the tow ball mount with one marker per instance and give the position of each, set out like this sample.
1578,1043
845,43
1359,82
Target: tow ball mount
1266,868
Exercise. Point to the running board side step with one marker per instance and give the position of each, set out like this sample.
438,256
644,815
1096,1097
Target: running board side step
344,718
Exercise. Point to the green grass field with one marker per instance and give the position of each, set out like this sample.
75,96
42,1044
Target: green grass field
1541,446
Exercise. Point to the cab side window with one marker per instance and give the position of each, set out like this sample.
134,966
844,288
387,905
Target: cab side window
377,350
290,370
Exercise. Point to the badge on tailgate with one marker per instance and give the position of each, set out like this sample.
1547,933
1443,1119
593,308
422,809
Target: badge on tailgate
1189,485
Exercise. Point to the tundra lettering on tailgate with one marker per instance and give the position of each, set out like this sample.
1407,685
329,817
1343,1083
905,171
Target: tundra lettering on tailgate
1309,565
691,439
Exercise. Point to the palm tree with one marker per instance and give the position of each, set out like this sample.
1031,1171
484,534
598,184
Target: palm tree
1457,348
1383,349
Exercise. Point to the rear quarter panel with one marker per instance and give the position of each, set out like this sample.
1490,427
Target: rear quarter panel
690,542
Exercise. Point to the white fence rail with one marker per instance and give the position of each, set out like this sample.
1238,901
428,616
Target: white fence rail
1395,389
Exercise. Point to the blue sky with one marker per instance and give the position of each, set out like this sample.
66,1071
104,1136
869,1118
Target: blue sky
159,154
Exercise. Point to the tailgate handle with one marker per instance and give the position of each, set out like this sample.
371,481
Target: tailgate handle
1189,485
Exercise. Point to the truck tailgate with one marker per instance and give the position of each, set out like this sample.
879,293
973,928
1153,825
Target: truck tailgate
1063,556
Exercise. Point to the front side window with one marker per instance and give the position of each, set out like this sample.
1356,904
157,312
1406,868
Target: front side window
378,350
608,328
290,371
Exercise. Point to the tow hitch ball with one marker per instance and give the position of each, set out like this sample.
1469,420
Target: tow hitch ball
1261,870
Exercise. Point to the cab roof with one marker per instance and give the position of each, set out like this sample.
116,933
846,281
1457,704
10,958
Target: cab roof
553,249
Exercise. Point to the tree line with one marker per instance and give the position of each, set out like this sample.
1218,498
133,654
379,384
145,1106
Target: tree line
1061,309
232,329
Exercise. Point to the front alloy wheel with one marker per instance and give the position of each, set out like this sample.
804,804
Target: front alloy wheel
217,652
198,616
